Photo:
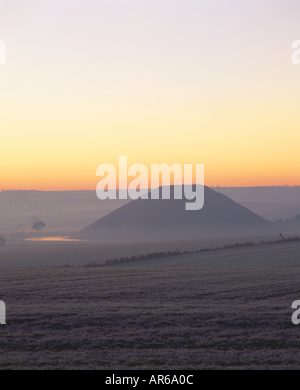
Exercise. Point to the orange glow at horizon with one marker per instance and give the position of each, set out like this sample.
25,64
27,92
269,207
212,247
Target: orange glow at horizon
72,99
224,178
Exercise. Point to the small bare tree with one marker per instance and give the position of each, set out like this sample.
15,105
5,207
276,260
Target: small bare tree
38,226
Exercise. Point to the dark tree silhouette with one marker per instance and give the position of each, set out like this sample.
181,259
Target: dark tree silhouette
2,241
38,226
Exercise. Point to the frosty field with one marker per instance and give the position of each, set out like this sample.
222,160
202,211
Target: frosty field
149,318
23,254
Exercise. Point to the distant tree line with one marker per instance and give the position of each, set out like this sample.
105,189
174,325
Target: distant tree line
293,219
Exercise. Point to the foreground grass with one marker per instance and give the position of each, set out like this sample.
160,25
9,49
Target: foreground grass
103,318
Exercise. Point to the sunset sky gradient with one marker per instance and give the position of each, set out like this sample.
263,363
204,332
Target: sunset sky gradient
159,81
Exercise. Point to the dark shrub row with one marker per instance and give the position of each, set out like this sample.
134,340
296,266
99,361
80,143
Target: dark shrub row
158,255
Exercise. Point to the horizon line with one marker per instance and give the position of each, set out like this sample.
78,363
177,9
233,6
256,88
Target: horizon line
144,189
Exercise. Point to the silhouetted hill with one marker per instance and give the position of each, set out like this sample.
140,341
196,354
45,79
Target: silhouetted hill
161,220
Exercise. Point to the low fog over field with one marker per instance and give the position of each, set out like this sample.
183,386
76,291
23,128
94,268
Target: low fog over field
60,210
272,203
79,254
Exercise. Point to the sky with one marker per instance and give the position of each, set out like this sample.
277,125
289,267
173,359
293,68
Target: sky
159,81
